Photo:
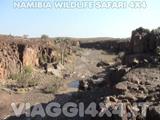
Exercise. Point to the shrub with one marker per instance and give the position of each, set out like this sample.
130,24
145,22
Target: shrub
54,86
14,76
24,79
44,37
50,89
28,69
43,59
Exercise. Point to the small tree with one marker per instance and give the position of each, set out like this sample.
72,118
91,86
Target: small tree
44,37
25,36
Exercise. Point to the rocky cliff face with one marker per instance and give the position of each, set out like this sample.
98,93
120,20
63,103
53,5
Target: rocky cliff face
30,57
15,53
9,59
144,41
143,47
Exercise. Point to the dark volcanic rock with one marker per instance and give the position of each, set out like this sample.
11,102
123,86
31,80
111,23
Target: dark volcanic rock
137,79
135,82
154,39
140,40
144,47
115,74
102,64
153,113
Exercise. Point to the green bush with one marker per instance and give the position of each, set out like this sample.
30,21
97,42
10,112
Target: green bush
28,69
25,78
50,89
14,76
44,37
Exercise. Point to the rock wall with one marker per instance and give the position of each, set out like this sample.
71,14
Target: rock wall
144,47
154,39
30,57
144,41
139,40
113,45
9,59
15,53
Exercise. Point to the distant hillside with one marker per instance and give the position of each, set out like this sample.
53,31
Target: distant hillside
94,39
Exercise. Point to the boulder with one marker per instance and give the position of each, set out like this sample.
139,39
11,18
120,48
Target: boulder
121,87
55,69
116,73
153,113
83,85
102,64
137,59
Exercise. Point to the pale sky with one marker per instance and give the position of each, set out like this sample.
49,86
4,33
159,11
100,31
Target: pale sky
77,22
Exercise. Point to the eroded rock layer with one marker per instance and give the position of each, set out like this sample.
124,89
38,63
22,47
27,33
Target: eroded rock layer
17,52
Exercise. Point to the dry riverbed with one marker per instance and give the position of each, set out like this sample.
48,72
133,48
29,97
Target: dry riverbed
81,66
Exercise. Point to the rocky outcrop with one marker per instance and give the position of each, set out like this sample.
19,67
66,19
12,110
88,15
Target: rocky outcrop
142,84
112,45
144,47
153,113
15,53
139,40
54,68
154,39
30,57
116,73
9,60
